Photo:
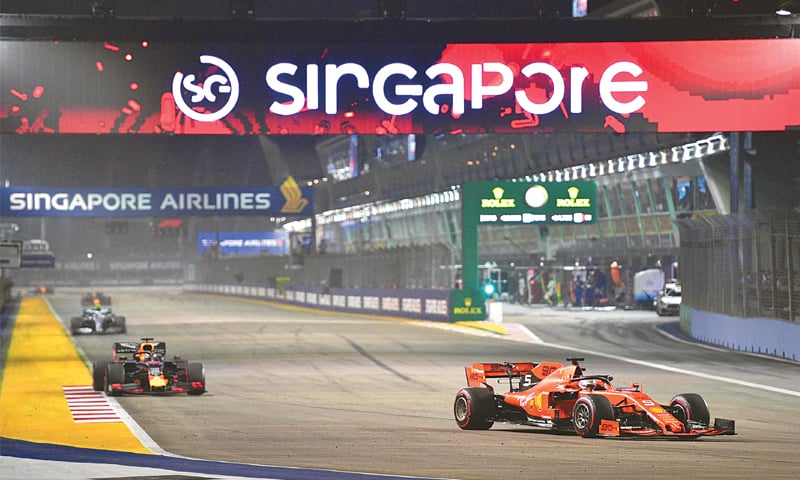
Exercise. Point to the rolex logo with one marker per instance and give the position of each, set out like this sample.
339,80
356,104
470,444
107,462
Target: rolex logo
498,201
468,302
573,192
573,201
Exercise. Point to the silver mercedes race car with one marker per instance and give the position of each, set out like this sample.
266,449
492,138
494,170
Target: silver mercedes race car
97,320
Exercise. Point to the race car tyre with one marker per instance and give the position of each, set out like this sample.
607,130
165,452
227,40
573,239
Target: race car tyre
74,324
99,375
690,408
120,321
474,408
587,414
115,373
196,373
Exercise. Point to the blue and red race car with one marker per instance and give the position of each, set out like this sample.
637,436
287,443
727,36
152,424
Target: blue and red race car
142,368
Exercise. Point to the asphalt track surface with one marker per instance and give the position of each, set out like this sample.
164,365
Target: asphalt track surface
300,388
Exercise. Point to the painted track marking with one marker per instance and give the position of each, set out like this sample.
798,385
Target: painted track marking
89,406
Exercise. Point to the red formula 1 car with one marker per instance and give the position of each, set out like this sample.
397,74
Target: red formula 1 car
142,368
551,395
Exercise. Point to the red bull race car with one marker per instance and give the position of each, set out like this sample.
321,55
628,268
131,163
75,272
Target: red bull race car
142,368
553,396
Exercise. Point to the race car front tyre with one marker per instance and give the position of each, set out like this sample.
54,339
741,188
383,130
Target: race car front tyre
690,408
75,324
474,408
196,374
115,373
589,412
99,375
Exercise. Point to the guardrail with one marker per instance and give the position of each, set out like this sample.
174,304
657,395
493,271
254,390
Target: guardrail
415,304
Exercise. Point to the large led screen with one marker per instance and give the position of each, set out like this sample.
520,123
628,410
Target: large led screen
294,88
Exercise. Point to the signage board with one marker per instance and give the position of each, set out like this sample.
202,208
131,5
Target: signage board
74,87
467,305
10,254
243,243
287,200
506,202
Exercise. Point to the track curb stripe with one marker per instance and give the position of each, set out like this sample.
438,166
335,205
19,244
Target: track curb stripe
89,406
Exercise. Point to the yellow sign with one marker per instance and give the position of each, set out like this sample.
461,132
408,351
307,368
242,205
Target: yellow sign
294,197
573,200
498,201
467,309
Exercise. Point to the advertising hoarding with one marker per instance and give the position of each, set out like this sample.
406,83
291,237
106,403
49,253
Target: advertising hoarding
310,88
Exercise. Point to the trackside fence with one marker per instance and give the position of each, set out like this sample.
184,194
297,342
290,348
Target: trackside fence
421,304
744,265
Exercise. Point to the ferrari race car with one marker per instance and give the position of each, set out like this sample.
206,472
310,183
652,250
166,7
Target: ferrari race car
551,395
97,320
142,368
95,298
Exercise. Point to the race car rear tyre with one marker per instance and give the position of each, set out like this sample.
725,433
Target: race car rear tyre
120,321
474,408
115,373
75,324
690,407
196,373
587,414
99,375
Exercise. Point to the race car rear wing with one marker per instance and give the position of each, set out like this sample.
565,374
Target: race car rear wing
478,373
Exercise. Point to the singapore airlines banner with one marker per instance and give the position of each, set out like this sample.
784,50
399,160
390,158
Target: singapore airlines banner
286,200
302,88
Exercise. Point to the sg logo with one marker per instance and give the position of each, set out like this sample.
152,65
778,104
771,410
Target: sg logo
207,91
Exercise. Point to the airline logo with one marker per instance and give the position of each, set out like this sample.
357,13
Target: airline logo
295,202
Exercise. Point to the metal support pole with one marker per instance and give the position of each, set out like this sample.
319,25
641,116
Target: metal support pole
789,280
748,170
734,166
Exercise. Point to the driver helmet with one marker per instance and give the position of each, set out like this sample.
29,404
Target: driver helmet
592,384
144,351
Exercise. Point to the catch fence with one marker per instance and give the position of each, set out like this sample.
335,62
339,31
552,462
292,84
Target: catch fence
743,265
